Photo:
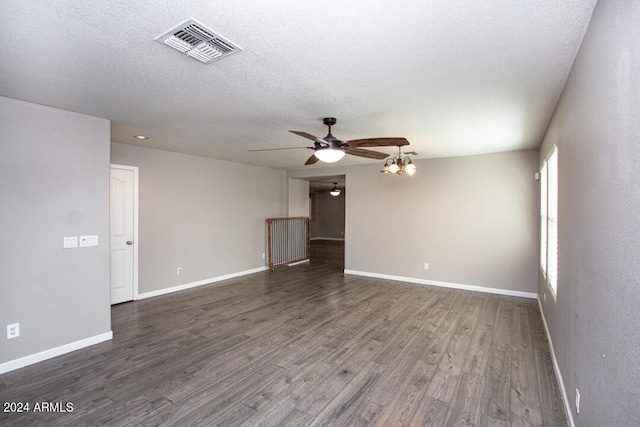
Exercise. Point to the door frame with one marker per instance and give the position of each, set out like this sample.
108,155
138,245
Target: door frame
135,171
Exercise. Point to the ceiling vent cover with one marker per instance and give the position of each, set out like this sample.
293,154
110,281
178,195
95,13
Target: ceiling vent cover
198,42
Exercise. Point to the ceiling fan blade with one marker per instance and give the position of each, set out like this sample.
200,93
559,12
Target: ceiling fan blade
378,142
276,149
370,154
307,135
311,160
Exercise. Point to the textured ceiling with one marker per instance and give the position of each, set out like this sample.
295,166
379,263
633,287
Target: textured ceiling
455,77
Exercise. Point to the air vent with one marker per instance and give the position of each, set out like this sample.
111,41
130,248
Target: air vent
198,42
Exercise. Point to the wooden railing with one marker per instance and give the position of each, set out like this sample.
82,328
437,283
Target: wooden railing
288,240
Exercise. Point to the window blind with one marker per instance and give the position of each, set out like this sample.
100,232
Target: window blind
552,221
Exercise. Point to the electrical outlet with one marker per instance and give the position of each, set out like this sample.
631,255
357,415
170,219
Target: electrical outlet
13,330
577,401
426,265
179,271
262,255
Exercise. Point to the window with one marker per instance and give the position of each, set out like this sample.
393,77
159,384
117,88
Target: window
543,218
549,220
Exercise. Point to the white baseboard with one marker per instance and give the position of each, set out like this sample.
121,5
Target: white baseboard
198,283
556,369
498,291
53,352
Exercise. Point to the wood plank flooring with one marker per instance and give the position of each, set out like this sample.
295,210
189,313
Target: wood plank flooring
329,252
304,346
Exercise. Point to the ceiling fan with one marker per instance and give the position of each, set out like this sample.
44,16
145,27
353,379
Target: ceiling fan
330,149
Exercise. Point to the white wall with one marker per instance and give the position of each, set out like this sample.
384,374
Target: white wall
54,182
594,322
204,215
473,219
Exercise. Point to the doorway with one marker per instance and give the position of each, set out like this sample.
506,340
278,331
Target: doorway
327,225
123,233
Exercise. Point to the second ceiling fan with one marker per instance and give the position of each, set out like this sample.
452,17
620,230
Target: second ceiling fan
330,149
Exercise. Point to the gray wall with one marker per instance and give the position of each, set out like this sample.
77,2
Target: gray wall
594,324
54,182
298,197
473,219
204,215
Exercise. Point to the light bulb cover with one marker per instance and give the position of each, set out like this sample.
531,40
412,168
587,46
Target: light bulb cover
410,168
385,168
329,155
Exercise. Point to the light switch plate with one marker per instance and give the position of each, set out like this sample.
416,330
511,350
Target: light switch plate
70,242
88,241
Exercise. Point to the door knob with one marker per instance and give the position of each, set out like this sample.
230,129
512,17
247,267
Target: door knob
129,242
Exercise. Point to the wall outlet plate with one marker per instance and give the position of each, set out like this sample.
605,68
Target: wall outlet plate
13,330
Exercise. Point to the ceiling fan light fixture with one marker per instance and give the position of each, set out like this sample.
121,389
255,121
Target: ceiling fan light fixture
330,149
329,155
399,165
335,191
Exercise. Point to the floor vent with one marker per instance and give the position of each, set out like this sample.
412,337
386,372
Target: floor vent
198,42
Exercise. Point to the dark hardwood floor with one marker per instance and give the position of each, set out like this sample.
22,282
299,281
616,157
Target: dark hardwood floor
329,252
304,345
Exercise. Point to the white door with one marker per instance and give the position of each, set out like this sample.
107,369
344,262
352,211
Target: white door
123,191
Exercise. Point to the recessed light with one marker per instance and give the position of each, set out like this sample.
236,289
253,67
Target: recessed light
142,137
